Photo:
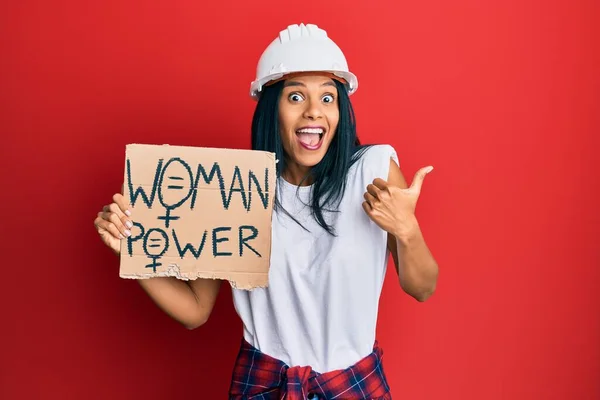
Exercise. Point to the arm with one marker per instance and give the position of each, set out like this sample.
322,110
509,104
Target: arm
189,303
391,205
417,269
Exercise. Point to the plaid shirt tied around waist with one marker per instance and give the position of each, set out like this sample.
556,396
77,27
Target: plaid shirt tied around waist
257,376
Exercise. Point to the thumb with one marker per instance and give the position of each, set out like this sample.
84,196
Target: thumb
417,182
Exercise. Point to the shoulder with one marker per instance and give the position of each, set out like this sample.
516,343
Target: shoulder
376,160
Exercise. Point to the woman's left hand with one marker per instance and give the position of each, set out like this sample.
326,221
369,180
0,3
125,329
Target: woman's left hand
393,208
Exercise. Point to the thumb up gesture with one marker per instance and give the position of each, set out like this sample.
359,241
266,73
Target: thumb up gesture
391,207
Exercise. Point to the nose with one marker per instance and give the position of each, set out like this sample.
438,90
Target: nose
313,110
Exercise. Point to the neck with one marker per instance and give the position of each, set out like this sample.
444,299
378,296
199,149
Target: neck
295,174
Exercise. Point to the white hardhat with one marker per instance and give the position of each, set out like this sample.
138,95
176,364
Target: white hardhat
301,48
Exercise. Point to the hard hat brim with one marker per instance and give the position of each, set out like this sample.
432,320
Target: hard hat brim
348,78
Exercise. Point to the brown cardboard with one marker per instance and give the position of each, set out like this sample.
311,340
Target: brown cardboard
184,205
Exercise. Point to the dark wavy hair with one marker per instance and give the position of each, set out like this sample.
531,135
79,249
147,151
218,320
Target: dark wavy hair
329,175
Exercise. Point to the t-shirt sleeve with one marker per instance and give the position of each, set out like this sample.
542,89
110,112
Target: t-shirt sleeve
377,161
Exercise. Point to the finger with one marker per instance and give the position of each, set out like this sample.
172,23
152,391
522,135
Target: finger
123,228
122,203
113,208
113,215
123,218
417,182
370,199
367,207
374,190
380,184
117,209
103,224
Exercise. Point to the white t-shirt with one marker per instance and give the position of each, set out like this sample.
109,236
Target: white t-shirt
320,308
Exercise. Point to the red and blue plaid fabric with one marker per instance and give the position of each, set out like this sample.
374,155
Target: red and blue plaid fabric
257,376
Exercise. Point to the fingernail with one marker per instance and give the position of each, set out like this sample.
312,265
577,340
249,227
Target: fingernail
429,169
127,233
128,224
121,236
128,213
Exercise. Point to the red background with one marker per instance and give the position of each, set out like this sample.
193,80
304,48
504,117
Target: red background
502,97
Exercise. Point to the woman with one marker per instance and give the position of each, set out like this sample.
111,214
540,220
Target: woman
341,208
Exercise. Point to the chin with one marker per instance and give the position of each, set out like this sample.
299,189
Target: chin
309,158
308,162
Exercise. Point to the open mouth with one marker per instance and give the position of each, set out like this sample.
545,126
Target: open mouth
311,138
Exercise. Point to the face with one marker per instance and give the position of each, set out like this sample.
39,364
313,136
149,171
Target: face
308,118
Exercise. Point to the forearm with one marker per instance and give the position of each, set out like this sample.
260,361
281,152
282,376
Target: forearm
177,299
417,269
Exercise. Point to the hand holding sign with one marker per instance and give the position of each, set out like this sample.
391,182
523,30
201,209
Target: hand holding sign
113,223
393,208
199,213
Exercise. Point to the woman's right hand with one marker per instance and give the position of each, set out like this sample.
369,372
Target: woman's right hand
113,223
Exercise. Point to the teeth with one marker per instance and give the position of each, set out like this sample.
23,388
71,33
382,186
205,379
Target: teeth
318,131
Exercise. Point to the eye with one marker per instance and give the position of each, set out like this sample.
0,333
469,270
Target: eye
328,98
295,97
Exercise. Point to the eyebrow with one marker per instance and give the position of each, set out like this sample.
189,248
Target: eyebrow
296,83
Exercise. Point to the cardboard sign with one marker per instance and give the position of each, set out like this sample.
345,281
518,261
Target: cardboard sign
199,213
